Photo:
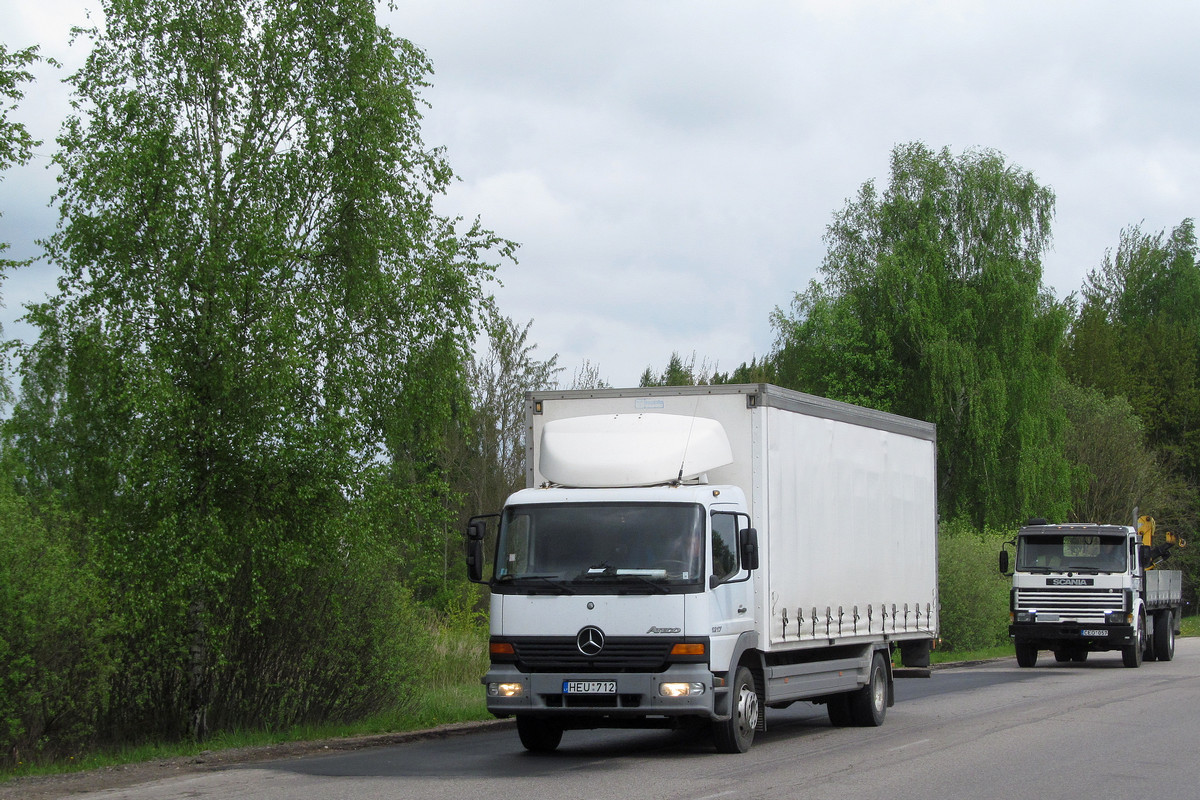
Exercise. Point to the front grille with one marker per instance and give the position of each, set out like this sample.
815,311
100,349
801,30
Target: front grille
561,654
592,700
1072,605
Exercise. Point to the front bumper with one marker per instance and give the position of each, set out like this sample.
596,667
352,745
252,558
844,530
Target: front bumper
1095,636
637,694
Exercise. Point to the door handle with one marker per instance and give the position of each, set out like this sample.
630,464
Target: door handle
741,609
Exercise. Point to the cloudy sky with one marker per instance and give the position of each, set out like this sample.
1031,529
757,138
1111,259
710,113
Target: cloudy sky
669,167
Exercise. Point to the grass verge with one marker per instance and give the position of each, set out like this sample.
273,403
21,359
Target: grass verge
453,695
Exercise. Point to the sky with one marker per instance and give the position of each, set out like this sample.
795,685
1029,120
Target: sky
669,168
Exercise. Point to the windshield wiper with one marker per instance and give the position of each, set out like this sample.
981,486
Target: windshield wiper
604,572
655,585
549,580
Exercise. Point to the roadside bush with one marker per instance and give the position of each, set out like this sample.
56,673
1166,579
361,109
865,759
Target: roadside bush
54,663
973,593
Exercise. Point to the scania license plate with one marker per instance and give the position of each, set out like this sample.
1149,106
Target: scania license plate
1093,632
589,687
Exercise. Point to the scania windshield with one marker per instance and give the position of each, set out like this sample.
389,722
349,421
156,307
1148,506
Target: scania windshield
1065,552
600,548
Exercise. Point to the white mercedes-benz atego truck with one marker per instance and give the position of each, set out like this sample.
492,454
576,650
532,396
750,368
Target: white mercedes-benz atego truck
696,555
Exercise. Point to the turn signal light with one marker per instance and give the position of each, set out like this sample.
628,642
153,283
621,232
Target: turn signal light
688,649
501,649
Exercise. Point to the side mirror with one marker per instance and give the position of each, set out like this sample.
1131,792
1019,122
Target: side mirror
477,528
475,561
748,544
1003,562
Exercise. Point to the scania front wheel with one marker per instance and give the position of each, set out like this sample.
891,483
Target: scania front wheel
1026,654
1131,654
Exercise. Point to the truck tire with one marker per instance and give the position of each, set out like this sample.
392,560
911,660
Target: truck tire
868,705
838,707
1164,636
538,735
1026,655
1131,654
736,734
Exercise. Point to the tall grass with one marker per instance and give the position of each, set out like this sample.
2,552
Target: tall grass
450,691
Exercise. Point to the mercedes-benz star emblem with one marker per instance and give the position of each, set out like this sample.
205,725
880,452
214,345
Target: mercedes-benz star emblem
590,641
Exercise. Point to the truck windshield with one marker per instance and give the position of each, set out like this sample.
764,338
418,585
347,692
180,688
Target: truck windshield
601,548
1062,552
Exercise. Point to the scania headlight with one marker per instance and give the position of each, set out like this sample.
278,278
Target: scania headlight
680,689
1026,616
505,690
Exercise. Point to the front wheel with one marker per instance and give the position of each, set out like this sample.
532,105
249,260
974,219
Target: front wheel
1131,654
1026,655
736,734
539,735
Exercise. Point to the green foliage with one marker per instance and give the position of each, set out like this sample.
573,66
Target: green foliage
932,307
54,655
972,594
1116,469
16,143
755,371
490,452
241,395
1138,335
679,372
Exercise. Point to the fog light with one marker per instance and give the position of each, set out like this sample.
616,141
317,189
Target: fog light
505,690
680,689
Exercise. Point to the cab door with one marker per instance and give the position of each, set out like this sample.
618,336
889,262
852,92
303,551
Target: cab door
731,594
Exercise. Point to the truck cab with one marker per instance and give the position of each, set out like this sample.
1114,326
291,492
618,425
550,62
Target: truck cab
611,606
1082,588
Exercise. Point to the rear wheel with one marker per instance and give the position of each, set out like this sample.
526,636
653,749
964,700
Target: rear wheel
736,734
539,735
838,707
868,705
1026,654
1164,636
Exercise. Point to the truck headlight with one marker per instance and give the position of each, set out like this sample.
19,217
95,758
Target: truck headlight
1118,618
1026,616
505,690
680,689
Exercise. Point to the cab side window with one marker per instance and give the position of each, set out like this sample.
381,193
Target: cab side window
724,528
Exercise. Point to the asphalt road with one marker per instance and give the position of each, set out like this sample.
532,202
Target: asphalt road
982,731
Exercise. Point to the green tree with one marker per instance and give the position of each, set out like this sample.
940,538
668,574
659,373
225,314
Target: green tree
588,377
1117,471
492,446
932,306
223,388
1137,334
16,148
679,372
